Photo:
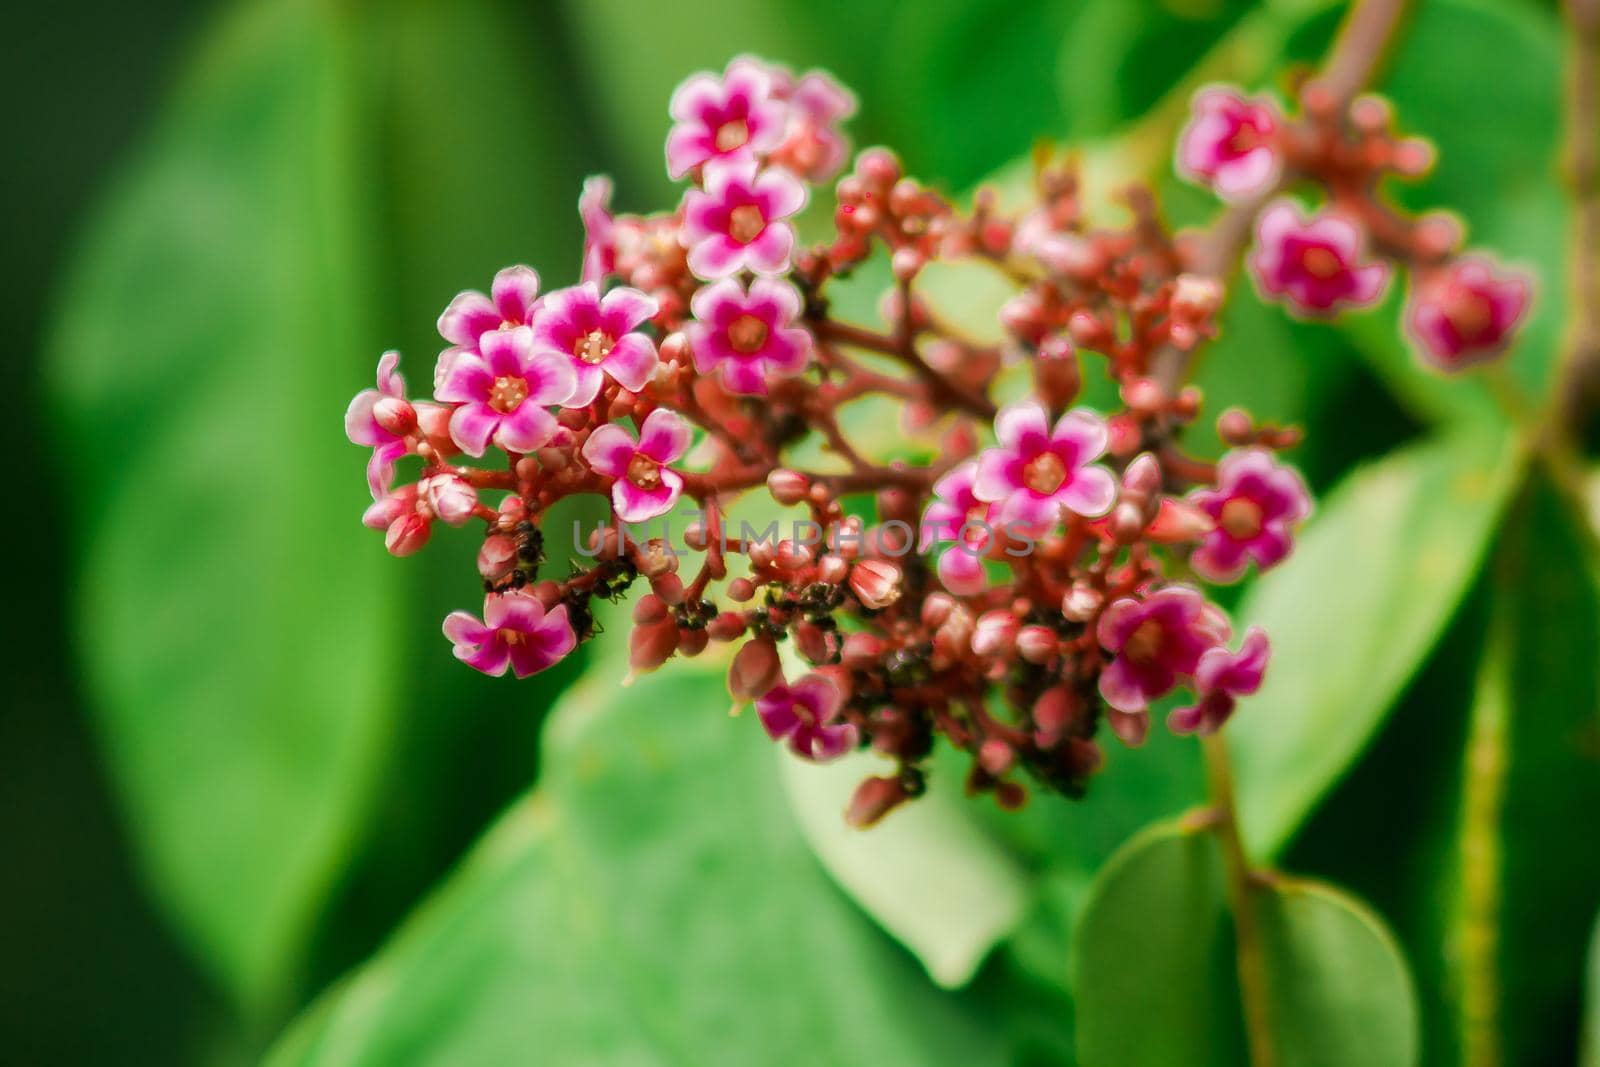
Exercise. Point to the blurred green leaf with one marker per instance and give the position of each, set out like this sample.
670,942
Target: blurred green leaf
1155,970
1590,1040
204,347
1353,613
651,903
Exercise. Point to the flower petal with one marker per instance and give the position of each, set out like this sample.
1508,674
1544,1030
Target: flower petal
665,436
609,449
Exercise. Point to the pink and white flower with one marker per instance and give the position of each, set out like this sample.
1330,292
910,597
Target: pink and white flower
406,522
803,714
748,337
1316,263
813,147
503,392
1467,312
516,631
1255,505
599,229
512,300
1037,470
1219,680
736,222
1228,144
597,337
1157,640
645,487
956,517
731,118
380,419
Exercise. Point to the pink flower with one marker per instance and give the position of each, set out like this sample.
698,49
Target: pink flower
1465,314
1256,502
503,392
812,146
513,299
516,632
730,119
599,236
1228,144
596,336
1314,263
1036,471
736,224
645,487
1221,677
748,337
1157,640
406,523
380,419
957,517
803,714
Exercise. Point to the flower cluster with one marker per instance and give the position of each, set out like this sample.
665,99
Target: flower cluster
1463,308
1005,577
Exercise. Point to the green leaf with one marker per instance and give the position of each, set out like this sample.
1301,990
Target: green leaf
651,903
1353,613
1591,1011
1154,966
204,345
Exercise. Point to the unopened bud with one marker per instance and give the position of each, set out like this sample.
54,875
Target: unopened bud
407,534
669,587
996,757
395,414
875,583
1037,644
873,799
652,645
755,669
862,651
1081,602
1178,522
450,497
497,557
995,633
1235,427
741,590
787,487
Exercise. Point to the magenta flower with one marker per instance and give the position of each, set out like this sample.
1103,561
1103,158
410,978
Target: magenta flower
1227,144
735,223
729,119
1219,680
957,517
378,419
803,714
599,229
516,632
1314,263
503,392
812,146
512,300
1036,471
597,337
645,487
1466,313
1255,504
1156,640
748,337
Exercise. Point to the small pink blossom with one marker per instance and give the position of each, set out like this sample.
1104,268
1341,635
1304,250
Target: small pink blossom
597,336
1314,264
957,517
516,632
1228,144
449,497
503,392
813,147
1036,470
1467,312
406,522
748,337
1220,679
736,222
512,300
1255,505
803,714
731,118
599,229
373,418
645,488
1157,640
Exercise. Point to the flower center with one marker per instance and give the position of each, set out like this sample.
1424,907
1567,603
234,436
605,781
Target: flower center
1144,644
644,471
1045,473
1244,139
745,223
731,135
593,347
513,637
747,334
1240,518
1469,312
508,394
1320,262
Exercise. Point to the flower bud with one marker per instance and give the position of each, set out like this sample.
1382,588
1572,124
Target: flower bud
651,645
875,583
692,642
407,534
726,626
1055,709
395,415
996,757
1142,478
1037,644
741,590
1235,427
995,633
1081,602
1130,727
862,651
873,799
450,497
1179,521
669,587
812,643
1125,523
1144,395
833,569
936,608
649,610
434,422
787,487
497,557
755,669
1056,374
